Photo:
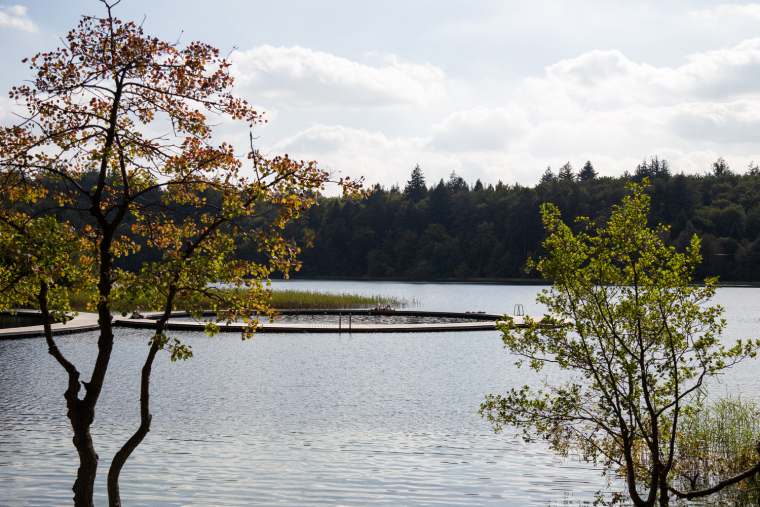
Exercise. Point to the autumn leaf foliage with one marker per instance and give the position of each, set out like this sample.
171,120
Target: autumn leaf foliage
116,152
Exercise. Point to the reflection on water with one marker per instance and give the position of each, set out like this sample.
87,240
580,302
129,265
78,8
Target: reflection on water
303,419
8,321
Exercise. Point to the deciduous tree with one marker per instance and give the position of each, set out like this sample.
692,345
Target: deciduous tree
116,151
635,341
720,167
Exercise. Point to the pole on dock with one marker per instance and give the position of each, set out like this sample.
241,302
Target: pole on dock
349,322
340,321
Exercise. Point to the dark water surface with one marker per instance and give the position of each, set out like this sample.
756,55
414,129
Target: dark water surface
8,321
387,419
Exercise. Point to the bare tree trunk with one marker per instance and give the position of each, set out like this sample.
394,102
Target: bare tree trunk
664,497
81,420
121,457
114,499
80,413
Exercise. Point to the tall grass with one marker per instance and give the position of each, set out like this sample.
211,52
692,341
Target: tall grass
303,299
306,299
717,441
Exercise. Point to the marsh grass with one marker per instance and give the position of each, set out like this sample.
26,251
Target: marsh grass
285,299
292,299
717,440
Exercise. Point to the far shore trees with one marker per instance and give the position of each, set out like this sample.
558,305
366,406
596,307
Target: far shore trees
587,172
115,153
723,211
415,187
637,343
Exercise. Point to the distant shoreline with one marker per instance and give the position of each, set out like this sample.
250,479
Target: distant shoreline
484,281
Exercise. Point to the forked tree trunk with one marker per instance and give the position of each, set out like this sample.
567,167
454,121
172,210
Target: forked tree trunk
81,412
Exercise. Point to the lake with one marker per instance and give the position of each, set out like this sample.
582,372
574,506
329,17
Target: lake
307,419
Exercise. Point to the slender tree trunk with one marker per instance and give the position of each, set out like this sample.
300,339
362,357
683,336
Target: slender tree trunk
114,498
121,457
81,420
80,414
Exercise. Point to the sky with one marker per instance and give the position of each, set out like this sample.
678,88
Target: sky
491,90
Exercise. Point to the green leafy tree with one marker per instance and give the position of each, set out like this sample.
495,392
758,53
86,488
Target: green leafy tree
720,168
636,342
87,179
456,183
415,187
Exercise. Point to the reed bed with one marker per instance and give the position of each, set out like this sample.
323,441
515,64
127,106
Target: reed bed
718,441
308,299
296,299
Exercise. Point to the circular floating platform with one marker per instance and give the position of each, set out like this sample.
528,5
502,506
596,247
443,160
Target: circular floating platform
340,321
291,321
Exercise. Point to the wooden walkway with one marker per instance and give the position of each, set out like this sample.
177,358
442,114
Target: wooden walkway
89,322
81,323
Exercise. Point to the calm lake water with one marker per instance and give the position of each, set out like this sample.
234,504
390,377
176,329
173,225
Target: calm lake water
306,420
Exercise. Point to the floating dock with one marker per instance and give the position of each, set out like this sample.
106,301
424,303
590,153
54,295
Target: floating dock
89,322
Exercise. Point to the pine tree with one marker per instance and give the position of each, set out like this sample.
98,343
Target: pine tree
548,176
440,204
587,173
415,187
659,168
656,168
566,172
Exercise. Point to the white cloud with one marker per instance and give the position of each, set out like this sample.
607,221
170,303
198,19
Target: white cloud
480,129
604,79
300,77
379,158
726,11
599,106
356,152
730,123
15,17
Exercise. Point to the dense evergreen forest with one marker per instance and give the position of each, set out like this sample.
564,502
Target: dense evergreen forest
454,230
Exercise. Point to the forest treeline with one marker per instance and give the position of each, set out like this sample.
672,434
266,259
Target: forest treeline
455,230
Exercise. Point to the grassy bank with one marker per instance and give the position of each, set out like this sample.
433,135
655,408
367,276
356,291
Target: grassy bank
304,299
